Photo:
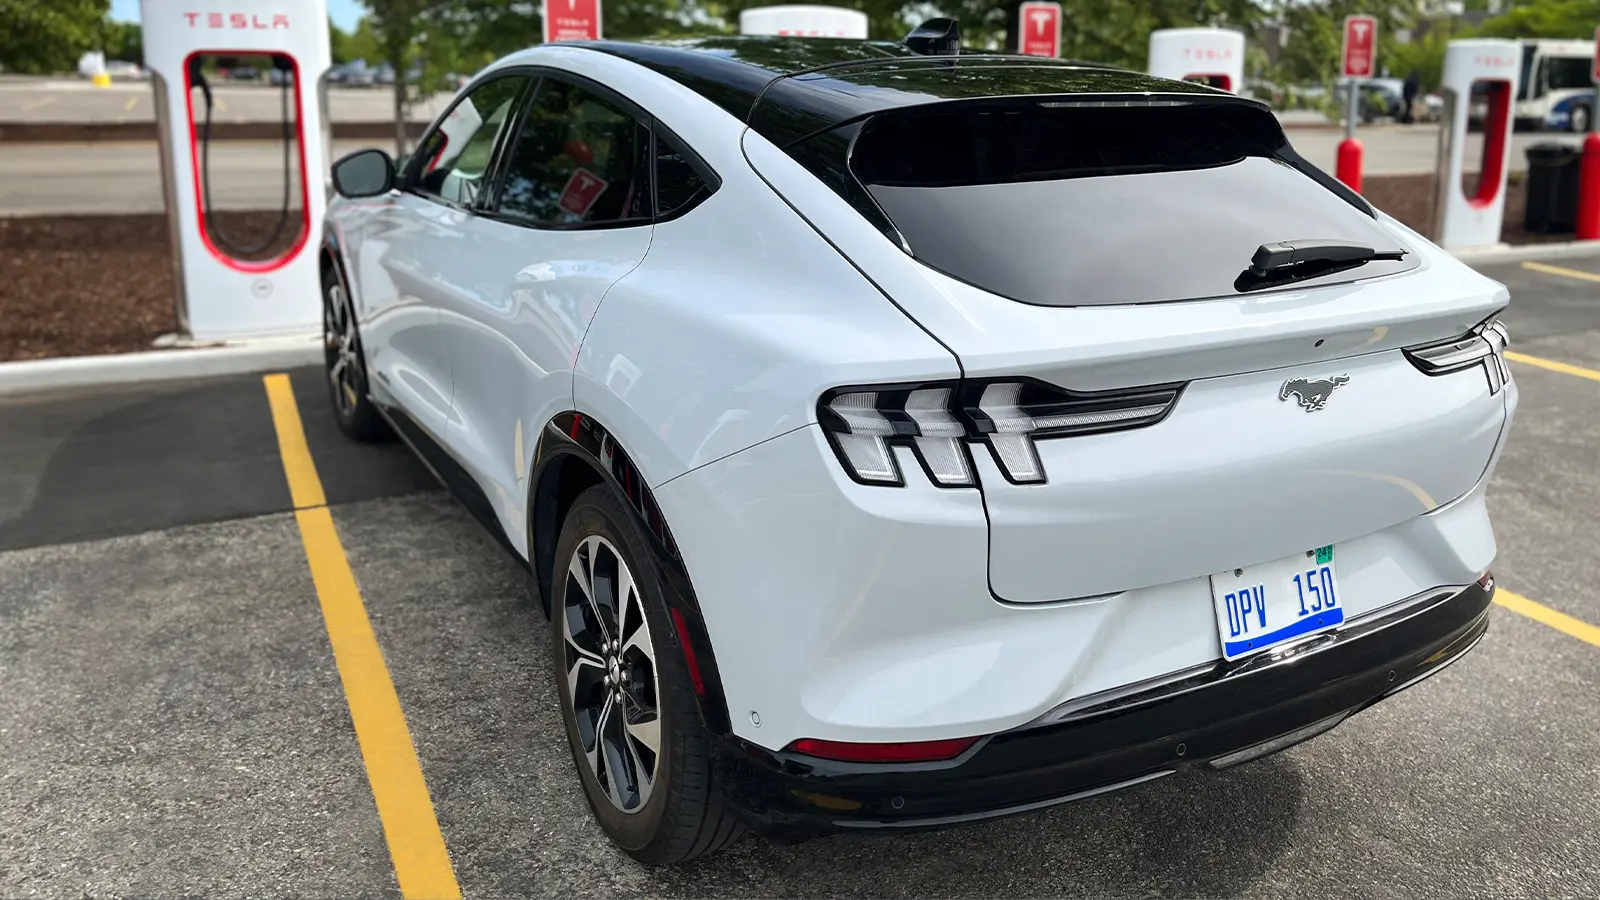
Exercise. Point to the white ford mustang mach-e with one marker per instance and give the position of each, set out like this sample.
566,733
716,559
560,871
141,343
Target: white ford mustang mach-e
898,437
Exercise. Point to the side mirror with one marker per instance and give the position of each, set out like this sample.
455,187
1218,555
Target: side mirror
364,173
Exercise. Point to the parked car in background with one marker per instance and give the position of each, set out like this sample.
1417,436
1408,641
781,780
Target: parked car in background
121,70
355,73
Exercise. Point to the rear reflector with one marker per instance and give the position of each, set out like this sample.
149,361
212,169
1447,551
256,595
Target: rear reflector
916,751
689,660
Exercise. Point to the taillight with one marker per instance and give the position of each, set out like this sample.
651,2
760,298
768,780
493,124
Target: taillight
938,422
916,751
1483,346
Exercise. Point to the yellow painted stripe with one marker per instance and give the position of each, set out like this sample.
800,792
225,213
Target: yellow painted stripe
132,102
37,104
416,845
1538,612
1552,365
305,488
1561,270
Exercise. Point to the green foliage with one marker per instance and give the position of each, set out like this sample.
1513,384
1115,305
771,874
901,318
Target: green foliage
123,40
1545,19
1424,56
1316,32
49,35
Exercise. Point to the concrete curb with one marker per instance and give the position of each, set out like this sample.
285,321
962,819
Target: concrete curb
27,376
1529,252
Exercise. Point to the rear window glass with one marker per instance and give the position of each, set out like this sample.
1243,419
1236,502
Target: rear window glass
1077,204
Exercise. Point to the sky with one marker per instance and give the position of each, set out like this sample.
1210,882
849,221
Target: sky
345,13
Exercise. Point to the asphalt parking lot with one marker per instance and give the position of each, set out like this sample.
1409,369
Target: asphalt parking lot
241,656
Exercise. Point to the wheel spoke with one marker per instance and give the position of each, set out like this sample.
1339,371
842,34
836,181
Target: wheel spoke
611,673
585,667
337,372
583,569
609,740
640,641
647,732
593,752
644,776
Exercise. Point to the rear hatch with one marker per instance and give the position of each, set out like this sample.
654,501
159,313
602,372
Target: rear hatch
1088,258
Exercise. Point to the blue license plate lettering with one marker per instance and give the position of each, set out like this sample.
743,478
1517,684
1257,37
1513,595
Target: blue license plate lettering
1266,605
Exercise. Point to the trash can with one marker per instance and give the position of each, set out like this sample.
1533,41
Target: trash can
1552,188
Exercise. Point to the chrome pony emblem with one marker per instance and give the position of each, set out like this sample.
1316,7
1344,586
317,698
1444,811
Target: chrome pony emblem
1312,393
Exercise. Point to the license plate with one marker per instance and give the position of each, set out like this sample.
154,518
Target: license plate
1260,607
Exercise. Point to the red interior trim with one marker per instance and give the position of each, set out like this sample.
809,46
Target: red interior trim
254,267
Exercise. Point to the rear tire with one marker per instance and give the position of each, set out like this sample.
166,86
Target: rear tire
345,365
623,685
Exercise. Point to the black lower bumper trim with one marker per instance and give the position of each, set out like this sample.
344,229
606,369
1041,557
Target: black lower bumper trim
1228,716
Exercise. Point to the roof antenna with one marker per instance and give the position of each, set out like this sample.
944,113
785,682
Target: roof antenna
935,37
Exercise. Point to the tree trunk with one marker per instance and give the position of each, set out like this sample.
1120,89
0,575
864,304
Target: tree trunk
400,129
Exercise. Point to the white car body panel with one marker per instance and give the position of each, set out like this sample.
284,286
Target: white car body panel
889,631
512,323
852,612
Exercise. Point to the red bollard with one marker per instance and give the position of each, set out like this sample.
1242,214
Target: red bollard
1348,169
1588,224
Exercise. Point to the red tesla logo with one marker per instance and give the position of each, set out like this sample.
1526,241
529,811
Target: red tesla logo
1360,46
582,190
1041,29
1211,53
238,20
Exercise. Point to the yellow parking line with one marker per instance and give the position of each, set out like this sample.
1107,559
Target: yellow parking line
416,845
132,102
1552,365
1561,270
1538,612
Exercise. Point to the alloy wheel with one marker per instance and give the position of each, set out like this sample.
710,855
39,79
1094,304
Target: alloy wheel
610,667
341,350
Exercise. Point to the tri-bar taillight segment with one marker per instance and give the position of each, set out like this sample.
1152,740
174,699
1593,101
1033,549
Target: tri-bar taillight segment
939,420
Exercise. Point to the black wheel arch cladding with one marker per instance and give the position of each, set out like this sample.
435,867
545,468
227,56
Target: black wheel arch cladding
575,452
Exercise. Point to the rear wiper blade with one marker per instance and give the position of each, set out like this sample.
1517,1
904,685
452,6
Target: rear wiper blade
1283,257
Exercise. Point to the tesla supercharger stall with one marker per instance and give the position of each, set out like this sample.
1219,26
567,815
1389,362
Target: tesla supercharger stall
242,277
1482,73
1213,56
801,20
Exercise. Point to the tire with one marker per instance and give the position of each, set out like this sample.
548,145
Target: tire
1579,121
345,366
662,811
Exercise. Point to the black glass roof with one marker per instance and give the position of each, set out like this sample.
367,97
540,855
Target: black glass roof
788,88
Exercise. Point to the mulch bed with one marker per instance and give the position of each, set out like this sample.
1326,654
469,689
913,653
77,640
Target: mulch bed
79,285
82,285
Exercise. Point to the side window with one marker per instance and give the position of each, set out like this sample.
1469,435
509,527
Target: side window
578,160
679,184
454,160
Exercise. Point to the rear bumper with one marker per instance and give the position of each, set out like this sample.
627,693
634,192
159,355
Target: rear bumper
1209,720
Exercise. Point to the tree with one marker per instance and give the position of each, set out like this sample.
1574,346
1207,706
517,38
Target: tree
48,35
1545,19
122,40
1316,35
338,43
398,25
